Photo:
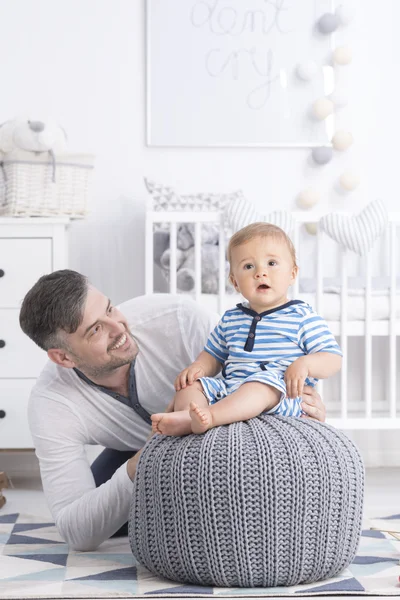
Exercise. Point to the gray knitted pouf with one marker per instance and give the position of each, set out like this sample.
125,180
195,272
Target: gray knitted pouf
268,502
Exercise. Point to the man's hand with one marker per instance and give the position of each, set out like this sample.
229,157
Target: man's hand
295,376
312,405
189,375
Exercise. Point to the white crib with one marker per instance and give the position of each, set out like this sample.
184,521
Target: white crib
364,319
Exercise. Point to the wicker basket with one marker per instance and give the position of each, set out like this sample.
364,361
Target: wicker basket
34,185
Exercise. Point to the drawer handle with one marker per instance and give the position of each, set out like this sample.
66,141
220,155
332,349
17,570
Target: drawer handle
2,343
2,414
2,273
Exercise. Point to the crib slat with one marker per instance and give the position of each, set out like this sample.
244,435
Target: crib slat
149,254
221,273
320,283
392,336
368,339
197,260
319,289
296,244
172,258
343,336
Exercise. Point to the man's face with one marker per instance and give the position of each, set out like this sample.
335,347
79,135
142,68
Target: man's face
102,343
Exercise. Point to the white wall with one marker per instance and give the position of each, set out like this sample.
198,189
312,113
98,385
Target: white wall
83,62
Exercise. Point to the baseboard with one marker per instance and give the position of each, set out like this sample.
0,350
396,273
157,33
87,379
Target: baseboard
24,463
19,463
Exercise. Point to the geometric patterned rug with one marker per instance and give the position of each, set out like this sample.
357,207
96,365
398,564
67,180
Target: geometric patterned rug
36,563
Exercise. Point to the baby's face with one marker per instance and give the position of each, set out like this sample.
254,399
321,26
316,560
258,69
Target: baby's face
262,271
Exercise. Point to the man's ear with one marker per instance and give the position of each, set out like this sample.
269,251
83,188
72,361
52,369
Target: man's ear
60,357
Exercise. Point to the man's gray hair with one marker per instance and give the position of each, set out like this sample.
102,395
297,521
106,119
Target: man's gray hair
53,307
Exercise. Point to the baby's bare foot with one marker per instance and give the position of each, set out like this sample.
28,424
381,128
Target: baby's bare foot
155,421
176,423
201,418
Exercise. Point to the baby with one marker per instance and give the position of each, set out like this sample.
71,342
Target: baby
268,347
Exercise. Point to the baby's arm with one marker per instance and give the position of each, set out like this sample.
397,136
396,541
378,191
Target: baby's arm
322,355
322,364
205,365
319,365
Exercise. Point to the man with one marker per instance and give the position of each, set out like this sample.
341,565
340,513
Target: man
109,370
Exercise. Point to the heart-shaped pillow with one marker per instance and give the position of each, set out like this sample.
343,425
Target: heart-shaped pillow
241,212
359,232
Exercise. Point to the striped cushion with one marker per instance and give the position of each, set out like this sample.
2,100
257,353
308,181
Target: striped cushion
357,233
241,212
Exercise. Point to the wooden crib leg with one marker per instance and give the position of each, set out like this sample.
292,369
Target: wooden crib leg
3,484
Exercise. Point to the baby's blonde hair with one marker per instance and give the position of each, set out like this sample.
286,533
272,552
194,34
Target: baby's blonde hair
259,230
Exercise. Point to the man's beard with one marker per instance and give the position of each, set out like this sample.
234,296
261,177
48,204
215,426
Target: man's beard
99,371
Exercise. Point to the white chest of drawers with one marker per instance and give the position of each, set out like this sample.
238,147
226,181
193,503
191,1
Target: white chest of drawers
29,248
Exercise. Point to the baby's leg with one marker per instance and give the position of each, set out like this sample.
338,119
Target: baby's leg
250,400
179,421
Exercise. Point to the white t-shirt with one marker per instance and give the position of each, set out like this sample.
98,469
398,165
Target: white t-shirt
66,413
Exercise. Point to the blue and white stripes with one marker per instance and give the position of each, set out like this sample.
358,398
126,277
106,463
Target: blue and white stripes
280,337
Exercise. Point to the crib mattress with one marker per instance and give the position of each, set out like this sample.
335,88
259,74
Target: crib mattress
331,305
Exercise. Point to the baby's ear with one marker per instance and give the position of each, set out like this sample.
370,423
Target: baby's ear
233,281
295,272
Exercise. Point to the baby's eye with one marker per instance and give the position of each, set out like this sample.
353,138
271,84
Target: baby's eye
110,309
248,266
272,263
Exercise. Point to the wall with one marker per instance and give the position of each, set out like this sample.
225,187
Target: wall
83,62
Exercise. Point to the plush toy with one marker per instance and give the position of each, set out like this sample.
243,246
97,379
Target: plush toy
32,136
185,260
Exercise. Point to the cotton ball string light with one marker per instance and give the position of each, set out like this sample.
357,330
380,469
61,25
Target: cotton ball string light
349,180
311,228
342,55
339,98
322,108
322,155
307,70
307,198
342,140
328,23
345,14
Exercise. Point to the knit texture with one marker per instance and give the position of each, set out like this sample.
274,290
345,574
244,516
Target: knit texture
273,501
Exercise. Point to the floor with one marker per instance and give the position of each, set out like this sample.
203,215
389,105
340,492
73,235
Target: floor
382,498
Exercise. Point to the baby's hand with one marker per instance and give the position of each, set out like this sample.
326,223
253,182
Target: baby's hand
189,375
295,376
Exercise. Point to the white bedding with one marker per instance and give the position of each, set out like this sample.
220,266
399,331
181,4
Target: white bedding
380,286
331,306
331,310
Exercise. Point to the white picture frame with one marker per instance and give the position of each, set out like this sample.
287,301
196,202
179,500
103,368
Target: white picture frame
222,73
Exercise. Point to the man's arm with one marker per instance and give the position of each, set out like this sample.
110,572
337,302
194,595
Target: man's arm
84,515
196,323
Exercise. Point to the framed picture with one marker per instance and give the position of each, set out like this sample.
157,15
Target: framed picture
224,72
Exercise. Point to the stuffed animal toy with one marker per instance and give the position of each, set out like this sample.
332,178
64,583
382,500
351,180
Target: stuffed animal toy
32,136
185,278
